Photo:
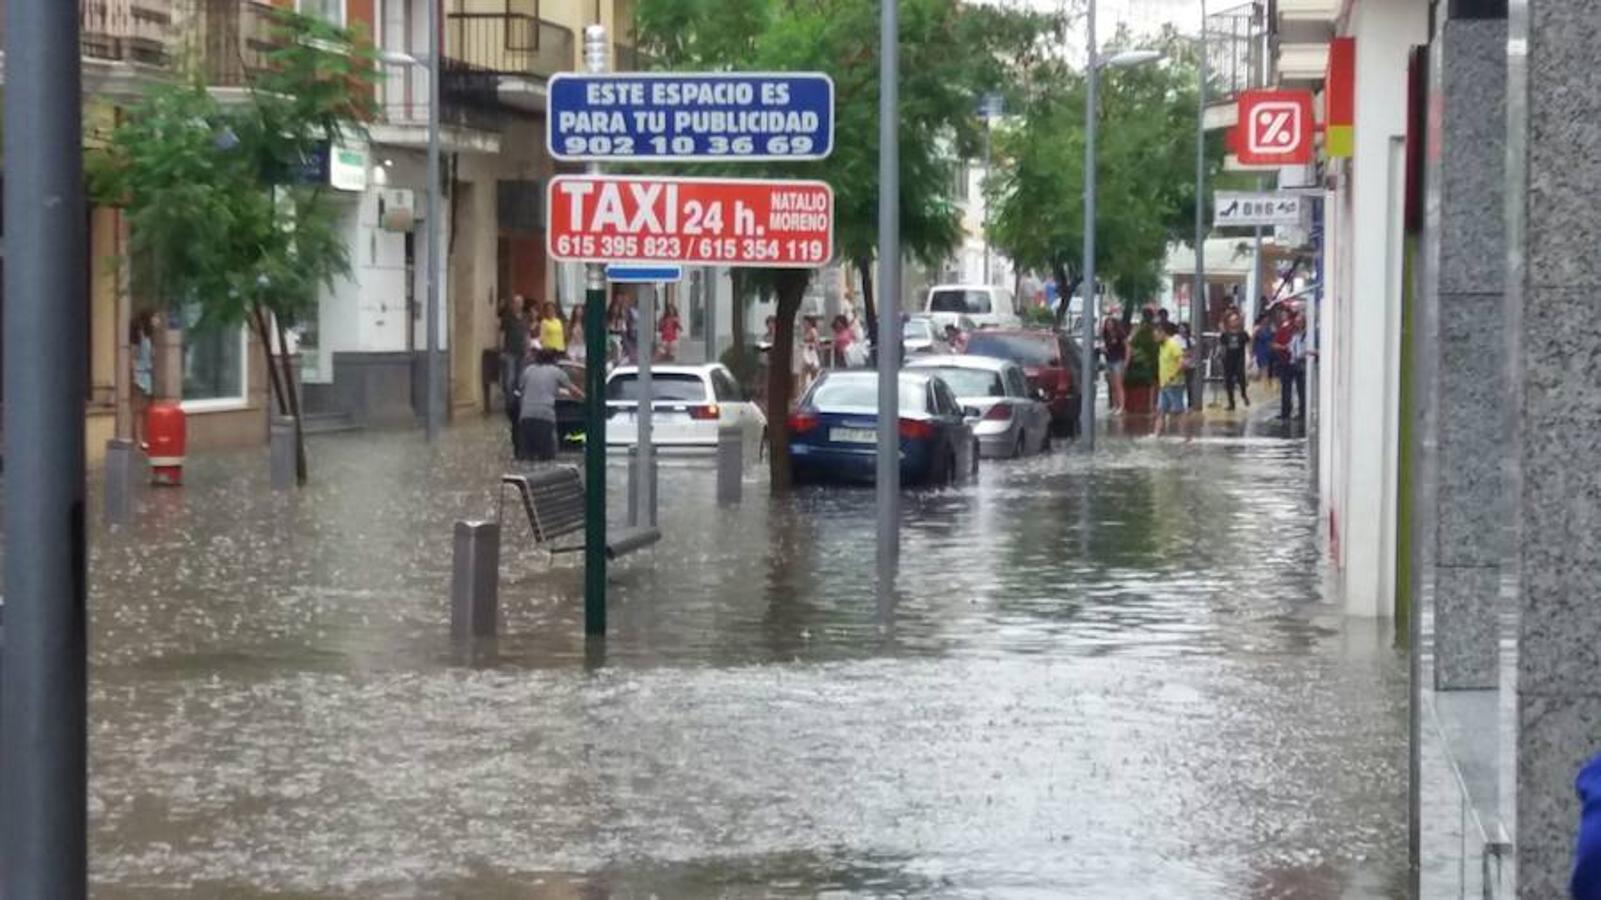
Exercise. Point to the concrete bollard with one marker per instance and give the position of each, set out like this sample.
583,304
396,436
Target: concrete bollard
119,479
730,466
475,580
281,453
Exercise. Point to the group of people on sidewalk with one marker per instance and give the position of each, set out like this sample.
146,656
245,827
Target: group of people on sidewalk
1278,346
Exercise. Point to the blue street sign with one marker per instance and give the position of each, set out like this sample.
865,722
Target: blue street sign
685,117
645,274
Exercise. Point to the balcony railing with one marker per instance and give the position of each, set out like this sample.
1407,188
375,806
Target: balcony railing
1236,50
235,40
513,44
129,30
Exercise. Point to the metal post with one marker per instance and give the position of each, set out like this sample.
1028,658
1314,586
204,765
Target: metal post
1086,415
595,404
119,479
988,161
645,296
281,452
706,282
1198,300
475,579
434,398
730,465
889,280
43,851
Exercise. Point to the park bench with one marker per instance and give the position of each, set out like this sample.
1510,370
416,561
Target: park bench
553,498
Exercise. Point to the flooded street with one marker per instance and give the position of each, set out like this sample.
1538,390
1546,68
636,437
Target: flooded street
1114,678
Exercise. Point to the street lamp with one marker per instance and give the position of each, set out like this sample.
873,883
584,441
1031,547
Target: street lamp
1119,59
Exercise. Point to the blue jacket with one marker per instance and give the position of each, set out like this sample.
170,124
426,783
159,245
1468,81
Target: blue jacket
1587,854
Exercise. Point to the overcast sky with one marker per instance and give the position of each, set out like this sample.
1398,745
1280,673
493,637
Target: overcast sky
1140,15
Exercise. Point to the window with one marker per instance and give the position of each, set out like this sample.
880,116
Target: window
214,368
1023,349
944,401
331,11
724,388
858,392
673,388
972,382
1015,383
976,303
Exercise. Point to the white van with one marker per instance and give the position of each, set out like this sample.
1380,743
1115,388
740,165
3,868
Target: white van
987,305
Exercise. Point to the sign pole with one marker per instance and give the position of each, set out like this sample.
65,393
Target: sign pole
889,281
43,850
433,230
645,484
595,405
1198,297
1086,386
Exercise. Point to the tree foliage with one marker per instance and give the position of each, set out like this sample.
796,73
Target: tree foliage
1145,195
951,54
220,224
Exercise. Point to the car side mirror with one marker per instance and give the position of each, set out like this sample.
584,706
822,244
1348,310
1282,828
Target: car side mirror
971,412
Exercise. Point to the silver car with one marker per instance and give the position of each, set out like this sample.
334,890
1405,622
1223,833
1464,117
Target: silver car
1009,419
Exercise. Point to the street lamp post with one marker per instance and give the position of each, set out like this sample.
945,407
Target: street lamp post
1086,416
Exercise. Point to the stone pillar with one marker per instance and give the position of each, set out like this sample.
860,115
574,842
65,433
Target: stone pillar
1554,280
1467,173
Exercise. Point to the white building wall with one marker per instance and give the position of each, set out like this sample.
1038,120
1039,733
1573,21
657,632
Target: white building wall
1364,332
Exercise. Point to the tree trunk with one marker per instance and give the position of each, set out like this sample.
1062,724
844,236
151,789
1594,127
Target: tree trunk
737,311
284,360
1065,289
780,380
265,337
869,307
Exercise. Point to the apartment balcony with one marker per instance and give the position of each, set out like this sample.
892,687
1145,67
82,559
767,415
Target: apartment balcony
134,31
501,60
1239,58
235,38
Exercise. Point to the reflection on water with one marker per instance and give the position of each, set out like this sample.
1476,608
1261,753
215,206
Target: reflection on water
1092,679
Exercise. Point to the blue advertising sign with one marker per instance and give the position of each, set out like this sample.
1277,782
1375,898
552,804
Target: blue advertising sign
645,274
688,117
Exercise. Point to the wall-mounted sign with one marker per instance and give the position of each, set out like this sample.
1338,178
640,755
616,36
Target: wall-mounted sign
699,221
683,117
1274,129
1236,208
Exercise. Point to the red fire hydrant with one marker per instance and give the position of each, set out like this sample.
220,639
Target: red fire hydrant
167,433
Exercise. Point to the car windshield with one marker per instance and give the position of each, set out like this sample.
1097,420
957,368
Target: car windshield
972,382
1023,349
674,387
860,392
959,301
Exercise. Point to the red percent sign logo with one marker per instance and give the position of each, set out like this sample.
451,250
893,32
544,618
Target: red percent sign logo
1277,128
694,221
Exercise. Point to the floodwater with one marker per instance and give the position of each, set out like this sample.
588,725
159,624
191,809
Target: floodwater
1094,679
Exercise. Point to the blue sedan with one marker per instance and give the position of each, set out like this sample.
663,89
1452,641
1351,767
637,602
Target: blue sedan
833,434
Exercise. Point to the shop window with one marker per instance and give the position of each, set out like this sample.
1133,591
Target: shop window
214,368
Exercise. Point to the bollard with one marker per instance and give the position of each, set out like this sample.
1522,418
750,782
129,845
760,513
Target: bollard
119,480
475,579
730,466
635,518
281,453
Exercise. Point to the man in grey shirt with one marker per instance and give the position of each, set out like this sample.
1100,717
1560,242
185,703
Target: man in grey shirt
537,389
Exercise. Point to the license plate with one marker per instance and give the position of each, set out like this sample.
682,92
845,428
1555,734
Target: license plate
853,435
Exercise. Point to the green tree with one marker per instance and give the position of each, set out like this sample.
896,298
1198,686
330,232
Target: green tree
950,55
1145,171
219,222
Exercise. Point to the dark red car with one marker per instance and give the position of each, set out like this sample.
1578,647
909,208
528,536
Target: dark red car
1050,360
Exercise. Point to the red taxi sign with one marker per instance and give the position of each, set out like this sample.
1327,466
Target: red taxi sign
692,221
